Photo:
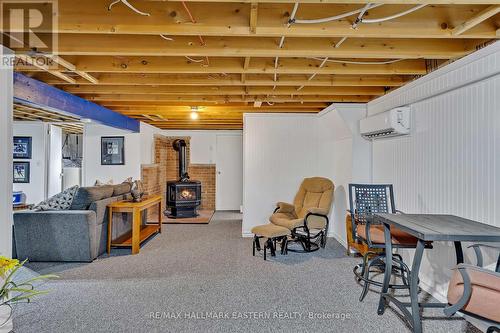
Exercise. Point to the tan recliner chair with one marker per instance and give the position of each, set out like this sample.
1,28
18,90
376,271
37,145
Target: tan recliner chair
307,217
475,291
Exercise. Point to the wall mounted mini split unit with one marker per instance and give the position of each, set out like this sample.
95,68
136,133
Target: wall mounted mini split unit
392,123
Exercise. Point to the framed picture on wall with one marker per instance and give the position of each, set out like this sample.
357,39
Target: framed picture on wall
22,147
112,150
21,172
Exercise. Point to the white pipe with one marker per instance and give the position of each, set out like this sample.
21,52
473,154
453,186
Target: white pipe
166,37
194,60
314,74
333,18
385,62
125,2
360,16
387,18
340,42
282,41
294,12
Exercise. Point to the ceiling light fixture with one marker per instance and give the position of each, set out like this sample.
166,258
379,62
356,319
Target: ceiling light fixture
194,112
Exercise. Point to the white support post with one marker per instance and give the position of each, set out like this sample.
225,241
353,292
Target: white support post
6,100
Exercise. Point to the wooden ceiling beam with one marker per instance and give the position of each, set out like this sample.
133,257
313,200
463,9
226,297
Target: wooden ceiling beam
232,80
221,100
476,19
223,91
127,45
180,65
401,2
237,19
145,105
254,9
66,64
44,67
211,113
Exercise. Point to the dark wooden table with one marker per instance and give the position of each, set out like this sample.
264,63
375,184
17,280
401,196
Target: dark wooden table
427,228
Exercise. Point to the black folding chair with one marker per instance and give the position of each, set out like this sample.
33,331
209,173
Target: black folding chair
365,200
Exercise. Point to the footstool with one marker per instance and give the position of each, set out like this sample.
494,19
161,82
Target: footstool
274,234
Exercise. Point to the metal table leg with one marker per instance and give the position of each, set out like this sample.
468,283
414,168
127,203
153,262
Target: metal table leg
415,307
385,298
388,268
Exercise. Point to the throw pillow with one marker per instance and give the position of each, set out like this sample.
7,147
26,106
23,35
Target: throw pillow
99,183
60,201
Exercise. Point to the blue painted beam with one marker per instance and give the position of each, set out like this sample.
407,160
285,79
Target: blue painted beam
39,93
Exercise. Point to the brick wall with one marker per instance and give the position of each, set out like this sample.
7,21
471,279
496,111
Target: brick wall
205,173
166,167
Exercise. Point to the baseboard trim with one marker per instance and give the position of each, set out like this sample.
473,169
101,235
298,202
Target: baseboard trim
338,238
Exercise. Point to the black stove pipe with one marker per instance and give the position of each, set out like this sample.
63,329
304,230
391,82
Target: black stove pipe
180,146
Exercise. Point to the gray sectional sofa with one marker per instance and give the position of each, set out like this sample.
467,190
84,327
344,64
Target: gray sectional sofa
77,234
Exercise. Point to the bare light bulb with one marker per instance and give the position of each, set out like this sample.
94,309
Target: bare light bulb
194,115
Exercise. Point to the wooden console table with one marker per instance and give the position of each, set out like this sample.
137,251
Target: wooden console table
139,232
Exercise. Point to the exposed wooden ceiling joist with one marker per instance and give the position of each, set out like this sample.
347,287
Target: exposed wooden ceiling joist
68,123
240,19
235,80
449,2
226,91
476,20
126,45
180,65
226,99
180,105
226,56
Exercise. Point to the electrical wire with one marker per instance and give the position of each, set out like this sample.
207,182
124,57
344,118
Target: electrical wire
384,62
294,12
126,3
314,74
340,42
332,18
282,41
194,60
360,16
387,18
202,41
166,37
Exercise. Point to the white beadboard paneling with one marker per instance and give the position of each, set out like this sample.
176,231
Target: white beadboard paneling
448,165
473,68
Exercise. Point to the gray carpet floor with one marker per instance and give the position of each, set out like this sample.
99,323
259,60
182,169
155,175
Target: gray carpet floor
203,278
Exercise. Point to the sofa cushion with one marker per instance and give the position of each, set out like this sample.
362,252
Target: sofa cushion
60,201
121,189
87,195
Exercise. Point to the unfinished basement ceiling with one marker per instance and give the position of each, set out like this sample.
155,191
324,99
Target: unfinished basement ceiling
156,60
69,124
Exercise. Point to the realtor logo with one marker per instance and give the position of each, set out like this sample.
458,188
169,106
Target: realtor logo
29,26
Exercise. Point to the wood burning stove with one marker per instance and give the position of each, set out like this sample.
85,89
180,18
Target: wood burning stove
183,195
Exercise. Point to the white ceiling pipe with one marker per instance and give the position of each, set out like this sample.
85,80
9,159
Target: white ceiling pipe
387,18
333,18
